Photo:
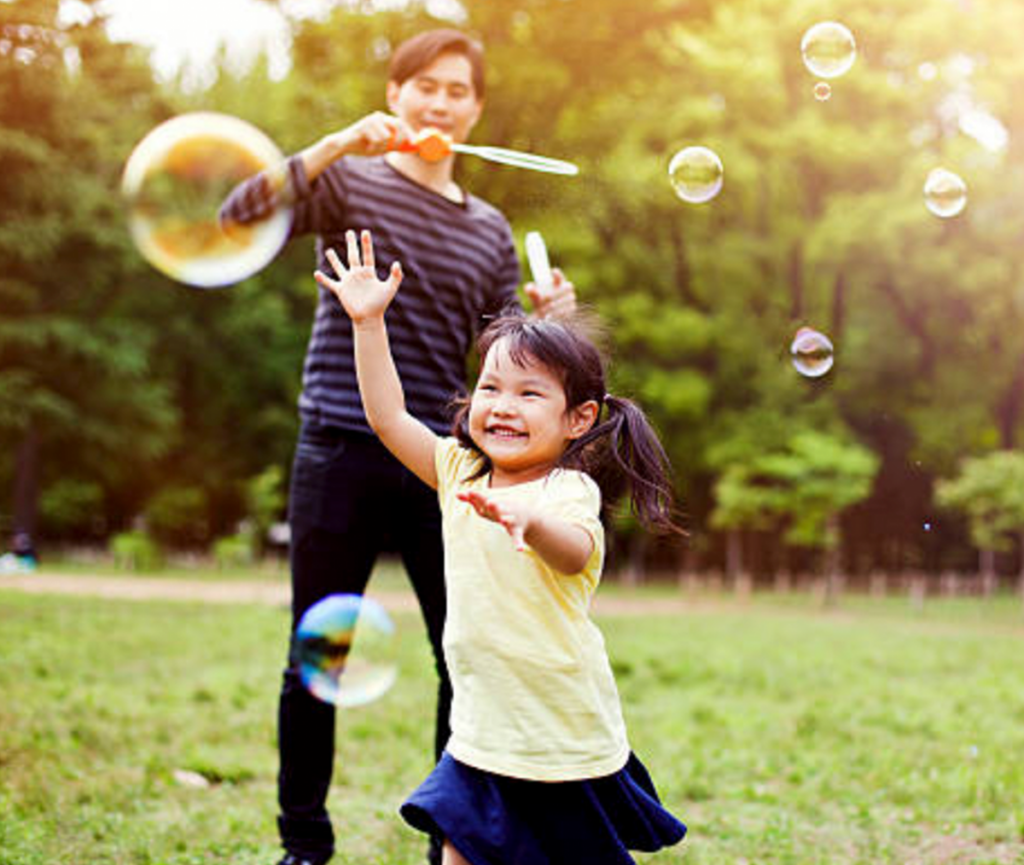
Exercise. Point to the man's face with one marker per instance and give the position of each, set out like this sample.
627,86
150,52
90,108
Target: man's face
439,95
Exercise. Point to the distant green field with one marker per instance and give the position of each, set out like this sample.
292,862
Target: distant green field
780,733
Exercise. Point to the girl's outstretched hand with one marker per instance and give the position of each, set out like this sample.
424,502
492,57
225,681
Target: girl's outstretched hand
515,518
361,293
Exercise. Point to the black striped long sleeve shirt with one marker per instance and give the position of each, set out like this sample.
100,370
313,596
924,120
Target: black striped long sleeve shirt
459,264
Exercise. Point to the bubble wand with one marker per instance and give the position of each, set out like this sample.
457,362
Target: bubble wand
433,145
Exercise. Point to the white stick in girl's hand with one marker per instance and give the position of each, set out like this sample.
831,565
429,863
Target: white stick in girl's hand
540,267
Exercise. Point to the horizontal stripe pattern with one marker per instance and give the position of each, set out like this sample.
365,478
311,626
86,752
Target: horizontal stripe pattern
459,263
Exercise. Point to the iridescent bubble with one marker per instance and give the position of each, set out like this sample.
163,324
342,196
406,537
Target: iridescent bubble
174,184
945,193
822,91
346,650
812,353
828,49
696,174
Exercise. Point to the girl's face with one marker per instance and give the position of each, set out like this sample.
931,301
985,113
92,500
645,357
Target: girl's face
518,417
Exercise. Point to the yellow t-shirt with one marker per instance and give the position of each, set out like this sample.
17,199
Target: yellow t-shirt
534,694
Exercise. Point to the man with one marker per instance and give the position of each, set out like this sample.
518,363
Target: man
349,498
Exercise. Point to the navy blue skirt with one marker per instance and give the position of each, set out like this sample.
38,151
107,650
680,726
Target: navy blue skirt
495,820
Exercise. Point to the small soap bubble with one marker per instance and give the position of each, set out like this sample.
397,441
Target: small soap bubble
927,527
945,193
812,353
822,91
346,650
828,49
696,174
174,184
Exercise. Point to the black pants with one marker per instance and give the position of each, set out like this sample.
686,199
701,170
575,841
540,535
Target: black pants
349,500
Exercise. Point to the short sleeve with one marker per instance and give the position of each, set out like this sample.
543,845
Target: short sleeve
574,497
453,463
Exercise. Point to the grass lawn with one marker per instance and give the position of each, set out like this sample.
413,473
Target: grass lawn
779,732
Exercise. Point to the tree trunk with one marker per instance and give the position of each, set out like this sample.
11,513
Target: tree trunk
987,567
1020,573
26,483
733,553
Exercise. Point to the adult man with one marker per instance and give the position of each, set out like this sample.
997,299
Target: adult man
349,498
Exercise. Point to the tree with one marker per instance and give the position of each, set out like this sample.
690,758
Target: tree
68,354
989,490
802,489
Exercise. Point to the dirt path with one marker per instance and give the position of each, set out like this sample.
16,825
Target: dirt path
264,592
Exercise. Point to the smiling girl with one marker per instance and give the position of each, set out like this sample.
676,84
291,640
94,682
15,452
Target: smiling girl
538,769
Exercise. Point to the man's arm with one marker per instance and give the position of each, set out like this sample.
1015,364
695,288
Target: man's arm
370,136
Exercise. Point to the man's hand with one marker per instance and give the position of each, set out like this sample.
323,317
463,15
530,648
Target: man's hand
555,302
373,135
362,294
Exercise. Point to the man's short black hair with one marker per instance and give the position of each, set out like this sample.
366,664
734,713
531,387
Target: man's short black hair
419,51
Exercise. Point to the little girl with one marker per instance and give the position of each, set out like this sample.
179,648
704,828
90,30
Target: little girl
538,769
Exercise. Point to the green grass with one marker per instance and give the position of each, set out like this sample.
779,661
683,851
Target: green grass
780,733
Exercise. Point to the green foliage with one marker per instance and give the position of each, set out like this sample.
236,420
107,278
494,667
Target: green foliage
177,516
804,487
235,551
136,384
71,507
135,551
989,490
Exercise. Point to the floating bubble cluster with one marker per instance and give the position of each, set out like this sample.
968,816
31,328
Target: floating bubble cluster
346,649
945,193
812,353
174,184
696,174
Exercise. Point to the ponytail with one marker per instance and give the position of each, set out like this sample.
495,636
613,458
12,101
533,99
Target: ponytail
630,458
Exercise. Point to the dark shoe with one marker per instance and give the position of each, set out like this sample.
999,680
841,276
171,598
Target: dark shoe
434,850
292,859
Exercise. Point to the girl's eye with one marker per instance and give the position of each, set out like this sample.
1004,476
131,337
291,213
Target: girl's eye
532,393
487,388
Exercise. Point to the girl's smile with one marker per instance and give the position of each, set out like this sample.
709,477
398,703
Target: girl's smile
518,417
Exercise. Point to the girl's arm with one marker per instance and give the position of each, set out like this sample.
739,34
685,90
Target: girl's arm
365,299
564,546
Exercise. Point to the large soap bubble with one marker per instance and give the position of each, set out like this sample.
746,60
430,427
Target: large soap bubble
175,183
696,174
828,49
945,193
346,650
812,353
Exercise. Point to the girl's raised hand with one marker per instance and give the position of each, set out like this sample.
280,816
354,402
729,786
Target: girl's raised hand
357,287
515,519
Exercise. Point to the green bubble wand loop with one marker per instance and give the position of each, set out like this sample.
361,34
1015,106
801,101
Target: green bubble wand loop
433,145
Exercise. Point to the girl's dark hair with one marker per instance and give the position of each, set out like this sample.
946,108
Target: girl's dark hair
419,51
621,451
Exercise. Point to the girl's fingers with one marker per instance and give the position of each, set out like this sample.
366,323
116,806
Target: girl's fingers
339,268
396,275
353,249
367,243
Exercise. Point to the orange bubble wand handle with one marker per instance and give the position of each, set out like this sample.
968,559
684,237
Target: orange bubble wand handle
430,144
433,145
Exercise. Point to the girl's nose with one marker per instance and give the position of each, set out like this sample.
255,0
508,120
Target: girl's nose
504,405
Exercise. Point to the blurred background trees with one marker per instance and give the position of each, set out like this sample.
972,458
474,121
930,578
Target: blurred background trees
123,395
